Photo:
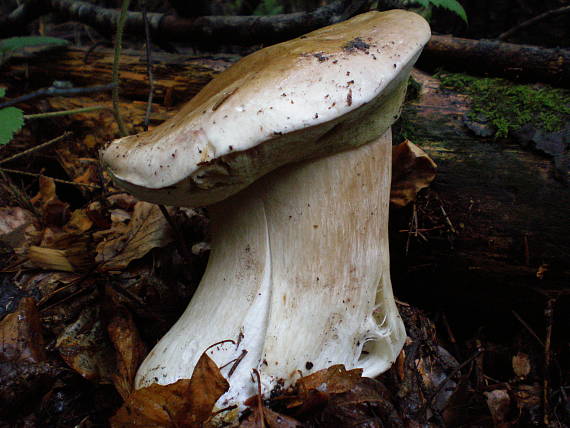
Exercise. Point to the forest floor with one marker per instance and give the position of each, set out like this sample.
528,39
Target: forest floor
91,278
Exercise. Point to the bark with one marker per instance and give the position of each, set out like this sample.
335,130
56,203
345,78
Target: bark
177,78
504,221
498,59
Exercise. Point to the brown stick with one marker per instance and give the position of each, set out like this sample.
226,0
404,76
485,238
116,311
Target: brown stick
549,315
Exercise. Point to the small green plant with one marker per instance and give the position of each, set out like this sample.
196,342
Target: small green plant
269,7
12,118
509,106
11,121
451,5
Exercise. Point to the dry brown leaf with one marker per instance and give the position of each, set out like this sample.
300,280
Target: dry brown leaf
187,403
69,252
271,420
130,348
499,404
53,211
84,347
98,214
366,404
314,390
89,176
277,420
79,222
13,224
21,334
412,170
147,229
333,380
521,364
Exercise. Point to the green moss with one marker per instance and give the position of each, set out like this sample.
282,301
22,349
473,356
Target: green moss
509,106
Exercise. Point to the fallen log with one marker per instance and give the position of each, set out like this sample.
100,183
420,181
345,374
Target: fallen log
491,235
176,77
496,58
492,57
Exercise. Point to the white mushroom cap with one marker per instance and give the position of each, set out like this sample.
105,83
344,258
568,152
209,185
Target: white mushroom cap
271,108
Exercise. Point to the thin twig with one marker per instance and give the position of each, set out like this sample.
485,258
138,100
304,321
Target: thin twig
116,60
57,180
526,249
225,409
412,227
219,343
549,315
65,112
530,330
179,238
54,91
453,373
424,230
238,360
148,66
447,220
531,21
259,402
36,148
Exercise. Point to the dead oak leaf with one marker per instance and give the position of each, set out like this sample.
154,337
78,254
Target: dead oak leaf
21,336
314,390
333,380
187,403
53,211
412,170
147,229
130,349
271,419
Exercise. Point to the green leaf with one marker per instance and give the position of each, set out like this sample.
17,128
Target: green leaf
2,92
451,5
13,43
11,121
423,3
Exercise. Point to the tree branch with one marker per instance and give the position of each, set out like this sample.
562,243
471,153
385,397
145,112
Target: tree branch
209,30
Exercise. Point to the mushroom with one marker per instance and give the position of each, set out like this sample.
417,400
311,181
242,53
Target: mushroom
291,150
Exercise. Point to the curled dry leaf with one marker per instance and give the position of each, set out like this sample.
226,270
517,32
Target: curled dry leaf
13,224
53,211
333,380
66,249
21,336
147,229
69,253
84,347
187,403
314,390
499,404
271,419
521,364
366,404
412,170
130,349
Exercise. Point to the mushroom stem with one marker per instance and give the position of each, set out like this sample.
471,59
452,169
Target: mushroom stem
298,276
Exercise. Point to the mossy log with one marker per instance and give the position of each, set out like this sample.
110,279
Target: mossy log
491,235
